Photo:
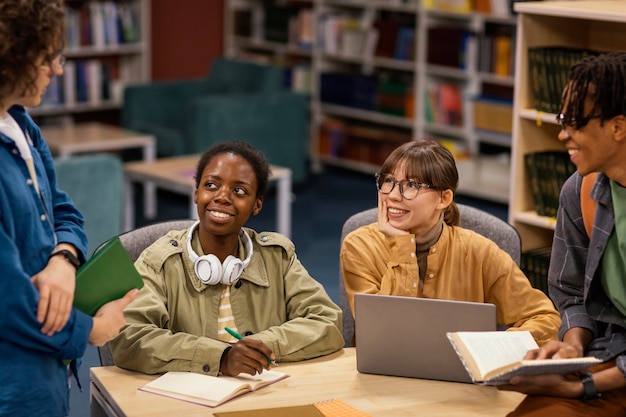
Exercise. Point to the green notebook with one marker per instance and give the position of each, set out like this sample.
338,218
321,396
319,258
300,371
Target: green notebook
106,276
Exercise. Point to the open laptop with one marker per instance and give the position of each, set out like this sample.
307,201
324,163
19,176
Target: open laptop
406,336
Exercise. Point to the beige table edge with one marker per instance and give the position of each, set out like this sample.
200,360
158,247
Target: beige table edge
332,376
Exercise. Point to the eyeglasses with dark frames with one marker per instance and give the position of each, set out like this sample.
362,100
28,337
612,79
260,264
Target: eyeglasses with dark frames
409,189
566,120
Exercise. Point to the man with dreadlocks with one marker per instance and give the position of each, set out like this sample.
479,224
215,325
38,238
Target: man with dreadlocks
587,276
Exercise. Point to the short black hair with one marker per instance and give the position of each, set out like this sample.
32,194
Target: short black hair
255,158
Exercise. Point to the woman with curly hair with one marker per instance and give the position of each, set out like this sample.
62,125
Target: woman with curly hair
42,240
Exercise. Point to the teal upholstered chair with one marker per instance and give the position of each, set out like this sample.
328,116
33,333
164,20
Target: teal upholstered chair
95,183
237,100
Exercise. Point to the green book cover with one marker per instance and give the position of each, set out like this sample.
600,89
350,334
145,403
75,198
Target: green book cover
106,276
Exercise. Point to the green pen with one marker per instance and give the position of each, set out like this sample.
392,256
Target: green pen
239,337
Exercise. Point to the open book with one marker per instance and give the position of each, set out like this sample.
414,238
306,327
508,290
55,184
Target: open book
209,390
493,358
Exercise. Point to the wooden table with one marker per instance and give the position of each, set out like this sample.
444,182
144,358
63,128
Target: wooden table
98,137
176,174
114,393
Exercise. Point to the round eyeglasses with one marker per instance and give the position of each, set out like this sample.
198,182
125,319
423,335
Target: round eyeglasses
409,189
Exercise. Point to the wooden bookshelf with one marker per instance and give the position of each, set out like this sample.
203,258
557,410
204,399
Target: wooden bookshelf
107,46
600,25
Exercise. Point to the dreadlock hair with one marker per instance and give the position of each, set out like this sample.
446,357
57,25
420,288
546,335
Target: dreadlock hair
600,79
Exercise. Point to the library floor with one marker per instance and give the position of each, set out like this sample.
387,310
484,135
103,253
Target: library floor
320,207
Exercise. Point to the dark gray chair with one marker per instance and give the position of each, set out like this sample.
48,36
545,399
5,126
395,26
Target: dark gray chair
135,241
488,225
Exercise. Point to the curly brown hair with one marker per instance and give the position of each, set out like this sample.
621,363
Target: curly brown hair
29,29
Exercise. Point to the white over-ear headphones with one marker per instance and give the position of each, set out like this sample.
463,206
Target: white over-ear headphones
210,270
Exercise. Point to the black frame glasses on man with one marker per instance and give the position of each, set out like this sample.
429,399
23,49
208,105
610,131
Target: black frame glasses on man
409,189
566,120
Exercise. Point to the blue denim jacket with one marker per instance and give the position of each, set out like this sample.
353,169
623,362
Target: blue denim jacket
33,378
574,275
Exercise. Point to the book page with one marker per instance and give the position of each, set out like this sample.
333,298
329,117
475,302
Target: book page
256,381
492,350
206,389
198,386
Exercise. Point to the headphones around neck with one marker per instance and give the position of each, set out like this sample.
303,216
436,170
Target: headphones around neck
210,270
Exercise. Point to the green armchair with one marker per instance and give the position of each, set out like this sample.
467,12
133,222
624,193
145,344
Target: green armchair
238,100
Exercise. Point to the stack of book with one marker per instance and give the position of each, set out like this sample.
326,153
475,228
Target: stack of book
547,171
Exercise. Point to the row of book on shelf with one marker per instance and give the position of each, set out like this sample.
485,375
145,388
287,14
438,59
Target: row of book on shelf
549,68
371,144
503,8
90,81
535,264
389,36
383,92
101,24
394,38
393,95
547,171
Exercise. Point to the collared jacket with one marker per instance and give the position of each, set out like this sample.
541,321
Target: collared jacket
33,378
462,265
172,325
575,269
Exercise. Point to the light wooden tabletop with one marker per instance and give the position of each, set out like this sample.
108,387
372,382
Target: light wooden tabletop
88,134
330,377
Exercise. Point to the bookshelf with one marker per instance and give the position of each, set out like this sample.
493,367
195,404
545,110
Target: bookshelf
107,46
389,54
273,32
600,26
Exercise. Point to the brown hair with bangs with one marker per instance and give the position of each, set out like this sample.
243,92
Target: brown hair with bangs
427,161
29,29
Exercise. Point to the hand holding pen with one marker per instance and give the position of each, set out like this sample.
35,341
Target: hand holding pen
248,355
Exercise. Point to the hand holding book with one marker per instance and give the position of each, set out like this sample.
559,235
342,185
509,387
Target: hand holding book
493,358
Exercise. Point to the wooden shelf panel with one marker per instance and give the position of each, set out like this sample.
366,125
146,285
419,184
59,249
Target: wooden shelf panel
599,26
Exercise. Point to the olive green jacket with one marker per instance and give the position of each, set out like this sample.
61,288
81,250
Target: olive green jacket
172,325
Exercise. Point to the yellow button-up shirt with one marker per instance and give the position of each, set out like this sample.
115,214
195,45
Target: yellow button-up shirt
462,265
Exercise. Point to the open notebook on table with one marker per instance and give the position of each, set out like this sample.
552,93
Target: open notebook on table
209,390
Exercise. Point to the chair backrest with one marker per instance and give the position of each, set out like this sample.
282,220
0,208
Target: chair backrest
95,183
486,224
135,241
234,76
